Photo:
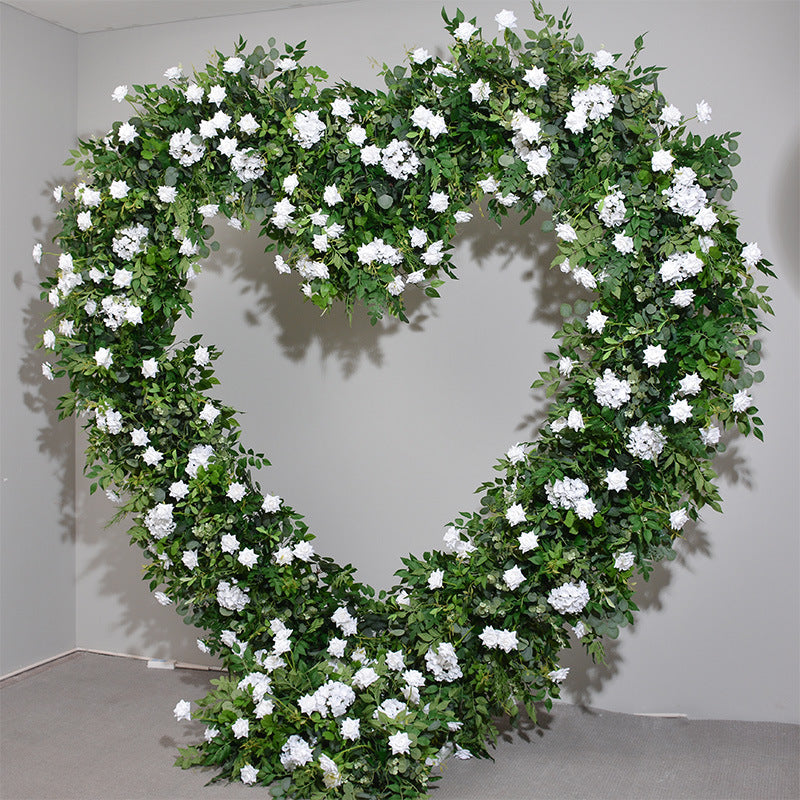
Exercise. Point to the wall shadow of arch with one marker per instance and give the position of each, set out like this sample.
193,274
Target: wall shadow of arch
55,437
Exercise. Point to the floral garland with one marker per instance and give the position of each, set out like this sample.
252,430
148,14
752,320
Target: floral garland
330,688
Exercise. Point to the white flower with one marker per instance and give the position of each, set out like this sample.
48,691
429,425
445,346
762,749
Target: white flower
616,480
575,420
103,357
558,675
602,60
364,677
654,355
248,773
565,366
579,630
682,297
209,732
283,556
201,356
167,194
47,370
209,413
370,155
58,193
120,93
230,596
515,453
611,209
535,78
118,189
710,435
480,91
585,508
569,598
436,579
400,743
350,729
528,541
703,111
122,278
462,216
303,551
190,559
139,437
66,327
706,218
464,31
622,243
690,384
624,561
241,728
662,161
236,491
575,120
271,503
308,129
420,55
49,339
248,557
396,286
505,19
442,662
149,368
216,94
233,65
439,201
37,251
162,598
671,116
677,519
513,577
515,514
596,321
229,543
331,195
646,442
751,254
152,456
357,135
680,411
183,710
566,232
741,401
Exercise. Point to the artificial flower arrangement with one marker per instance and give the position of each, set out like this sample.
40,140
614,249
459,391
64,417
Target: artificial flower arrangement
331,688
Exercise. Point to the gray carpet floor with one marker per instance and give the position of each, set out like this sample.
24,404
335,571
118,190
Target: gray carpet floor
101,728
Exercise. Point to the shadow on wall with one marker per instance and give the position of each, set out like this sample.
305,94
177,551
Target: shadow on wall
300,326
56,438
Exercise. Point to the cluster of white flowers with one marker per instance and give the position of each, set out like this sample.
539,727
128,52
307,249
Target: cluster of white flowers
455,545
611,209
186,147
680,266
199,456
569,598
399,159
442,661
425,119
248,165
570,493
308,129
159,521
611,391
345,621
378,250
333,697
231,596
624,560
118,310
594,103
685,197
296,753
645,442
129,241
501,639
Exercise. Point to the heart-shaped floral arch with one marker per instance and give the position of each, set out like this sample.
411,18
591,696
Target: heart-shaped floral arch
332,689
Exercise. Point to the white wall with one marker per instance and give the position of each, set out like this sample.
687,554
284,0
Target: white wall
37,589
380,435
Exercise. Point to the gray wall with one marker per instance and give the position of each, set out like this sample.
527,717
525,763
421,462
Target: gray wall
37,589
379,435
